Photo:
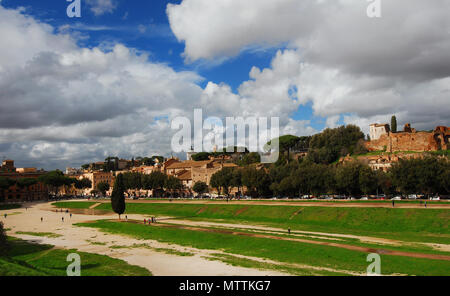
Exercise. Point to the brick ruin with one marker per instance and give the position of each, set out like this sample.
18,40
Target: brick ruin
382,139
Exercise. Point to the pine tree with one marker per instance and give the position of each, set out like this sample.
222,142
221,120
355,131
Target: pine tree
117,196
394,124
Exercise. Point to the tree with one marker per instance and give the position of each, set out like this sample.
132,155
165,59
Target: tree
173,183
200,187
329,145
103,187
367,180
118,197
215,182
5,183
201,156
4,246
422,175
249,158
55,180
393,124
83,184
347,178
26,183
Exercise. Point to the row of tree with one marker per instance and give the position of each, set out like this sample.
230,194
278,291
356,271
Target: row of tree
153,181
428,175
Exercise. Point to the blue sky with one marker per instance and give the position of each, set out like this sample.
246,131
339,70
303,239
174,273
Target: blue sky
77,90
144,25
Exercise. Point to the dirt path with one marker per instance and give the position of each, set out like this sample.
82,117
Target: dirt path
96,205
336,204
94,241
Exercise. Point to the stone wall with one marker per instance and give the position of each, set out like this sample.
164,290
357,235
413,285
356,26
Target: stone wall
411,141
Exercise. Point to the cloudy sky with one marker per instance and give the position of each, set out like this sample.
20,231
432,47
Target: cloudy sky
76,90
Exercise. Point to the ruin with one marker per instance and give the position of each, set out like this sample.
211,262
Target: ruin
382,139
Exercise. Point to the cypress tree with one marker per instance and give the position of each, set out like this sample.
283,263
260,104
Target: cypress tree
394,124
117,196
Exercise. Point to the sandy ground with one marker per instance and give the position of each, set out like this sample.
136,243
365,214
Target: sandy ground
81,238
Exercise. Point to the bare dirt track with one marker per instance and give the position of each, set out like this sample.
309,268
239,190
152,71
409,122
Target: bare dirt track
94,241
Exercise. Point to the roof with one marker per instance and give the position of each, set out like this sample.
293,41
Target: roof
225,164
185,176
188,164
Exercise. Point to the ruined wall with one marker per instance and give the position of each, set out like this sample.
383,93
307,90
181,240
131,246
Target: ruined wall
403,141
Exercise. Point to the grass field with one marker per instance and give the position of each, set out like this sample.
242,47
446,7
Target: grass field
421,225
6,207
74,204
282,251
28,259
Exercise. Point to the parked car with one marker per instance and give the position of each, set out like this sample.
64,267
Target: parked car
396,198
364,198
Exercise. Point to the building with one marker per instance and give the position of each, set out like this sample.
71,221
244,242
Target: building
72,171
96,178
381,139
377,130
15,193
191,172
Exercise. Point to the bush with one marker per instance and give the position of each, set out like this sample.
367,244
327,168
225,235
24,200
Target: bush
3,240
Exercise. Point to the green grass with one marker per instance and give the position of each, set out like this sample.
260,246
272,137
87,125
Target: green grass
423,225
162,250
41,234
441,152
28,259
6,207
277,250
74,205
96,243
248,263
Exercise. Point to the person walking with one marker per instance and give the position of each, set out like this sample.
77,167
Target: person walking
393,203
42,219
70,215
425,204
289,231
62,219
6,215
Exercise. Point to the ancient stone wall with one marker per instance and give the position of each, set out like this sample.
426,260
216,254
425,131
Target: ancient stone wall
410,140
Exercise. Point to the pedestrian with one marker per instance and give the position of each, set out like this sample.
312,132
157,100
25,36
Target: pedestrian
6,215
62,219
126,217
71,215
425,204
393,203
144,221
42,219
289,231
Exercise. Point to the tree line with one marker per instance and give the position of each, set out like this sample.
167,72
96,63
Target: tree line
428,175
54,180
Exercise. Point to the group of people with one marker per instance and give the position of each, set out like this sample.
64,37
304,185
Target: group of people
150,220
